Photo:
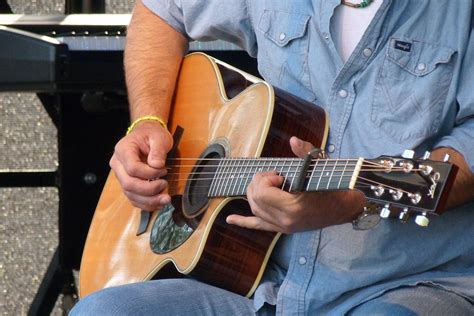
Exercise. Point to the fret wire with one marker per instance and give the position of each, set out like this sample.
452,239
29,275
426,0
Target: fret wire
219,177
228,182
300,162
241,177
235,172
330,177
259,167
214,179
285,175
251,173
232,180
242,181
267,164
312,174
221,186
322,172
342,175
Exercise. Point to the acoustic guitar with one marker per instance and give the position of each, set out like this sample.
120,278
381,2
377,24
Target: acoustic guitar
228,125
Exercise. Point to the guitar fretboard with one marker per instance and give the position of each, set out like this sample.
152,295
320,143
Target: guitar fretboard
233,175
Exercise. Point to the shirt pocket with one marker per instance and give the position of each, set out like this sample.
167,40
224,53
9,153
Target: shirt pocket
283,42
411,89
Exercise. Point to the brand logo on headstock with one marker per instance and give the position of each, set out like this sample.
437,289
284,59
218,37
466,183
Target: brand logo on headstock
434,179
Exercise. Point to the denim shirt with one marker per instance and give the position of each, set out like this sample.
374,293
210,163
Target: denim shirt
409,84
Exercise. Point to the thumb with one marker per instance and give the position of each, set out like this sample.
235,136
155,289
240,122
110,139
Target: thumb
299,147
159,148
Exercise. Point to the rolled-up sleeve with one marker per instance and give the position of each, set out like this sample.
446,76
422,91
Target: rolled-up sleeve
208,20
461,137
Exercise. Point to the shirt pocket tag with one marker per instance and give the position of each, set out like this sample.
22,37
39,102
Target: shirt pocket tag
401,45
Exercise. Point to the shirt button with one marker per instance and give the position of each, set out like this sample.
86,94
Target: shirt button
302,260
421,66
343,93
331,148
326,36
367,52
282,36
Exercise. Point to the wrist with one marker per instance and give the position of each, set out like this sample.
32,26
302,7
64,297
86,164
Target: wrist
147,118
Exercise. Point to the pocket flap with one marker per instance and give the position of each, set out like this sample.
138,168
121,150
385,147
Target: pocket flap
282,27
417,57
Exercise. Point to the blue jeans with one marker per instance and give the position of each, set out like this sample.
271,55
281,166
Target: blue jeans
190,297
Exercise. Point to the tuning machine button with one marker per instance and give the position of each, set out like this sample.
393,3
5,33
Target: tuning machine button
422,220
385,211
446,157
404,215
408,154
427,155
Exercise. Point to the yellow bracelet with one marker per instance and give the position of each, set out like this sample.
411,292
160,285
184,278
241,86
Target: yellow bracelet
147,118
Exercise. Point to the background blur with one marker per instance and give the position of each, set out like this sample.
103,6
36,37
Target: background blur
28,217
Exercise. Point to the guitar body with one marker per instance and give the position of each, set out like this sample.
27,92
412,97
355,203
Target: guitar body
215,105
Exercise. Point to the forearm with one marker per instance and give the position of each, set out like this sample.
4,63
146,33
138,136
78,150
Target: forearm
153,55
463,187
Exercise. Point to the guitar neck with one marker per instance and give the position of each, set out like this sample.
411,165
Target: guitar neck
233,175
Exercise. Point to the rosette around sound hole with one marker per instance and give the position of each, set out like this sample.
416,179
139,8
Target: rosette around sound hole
196,193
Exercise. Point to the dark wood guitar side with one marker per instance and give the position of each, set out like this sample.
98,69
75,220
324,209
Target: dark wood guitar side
214,105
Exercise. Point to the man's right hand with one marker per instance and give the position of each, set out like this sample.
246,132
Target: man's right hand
139,164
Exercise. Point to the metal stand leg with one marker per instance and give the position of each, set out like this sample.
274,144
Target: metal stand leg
55,281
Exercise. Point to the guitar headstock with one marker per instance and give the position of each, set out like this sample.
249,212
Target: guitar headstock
415,186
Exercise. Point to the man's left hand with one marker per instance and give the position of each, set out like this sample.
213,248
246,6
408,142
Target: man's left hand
280,211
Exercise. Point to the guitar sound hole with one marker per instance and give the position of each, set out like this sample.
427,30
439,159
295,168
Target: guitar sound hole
196,196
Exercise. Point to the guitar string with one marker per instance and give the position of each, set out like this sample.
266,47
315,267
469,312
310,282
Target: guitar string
372,166
288,171
291,164
358,184
317,169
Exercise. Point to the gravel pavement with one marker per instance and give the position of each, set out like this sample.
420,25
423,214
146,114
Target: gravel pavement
29,216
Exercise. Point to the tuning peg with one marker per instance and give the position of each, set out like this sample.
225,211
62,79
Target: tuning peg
422,220
414,197
404,215
446,157
408,154
427,155
396,194
385,211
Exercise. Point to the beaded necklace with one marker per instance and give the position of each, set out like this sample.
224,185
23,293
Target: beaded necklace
362,4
